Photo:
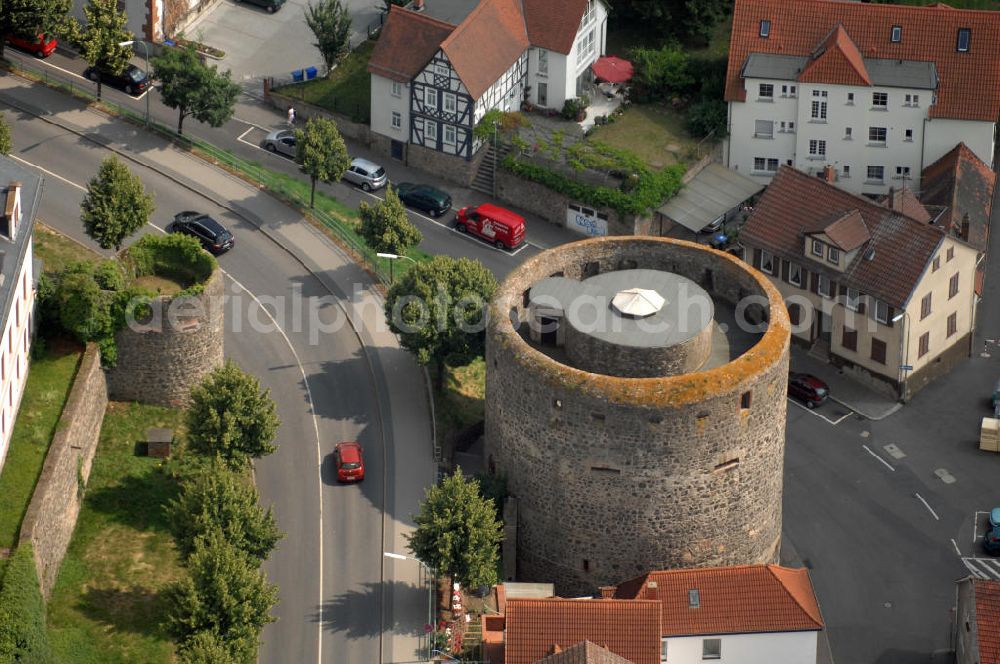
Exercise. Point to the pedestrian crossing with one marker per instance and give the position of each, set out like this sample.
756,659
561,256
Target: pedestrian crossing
983,568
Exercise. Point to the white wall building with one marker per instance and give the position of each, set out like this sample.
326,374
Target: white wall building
878,92
19,193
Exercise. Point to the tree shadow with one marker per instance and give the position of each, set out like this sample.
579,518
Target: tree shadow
137,502
352,612
137,610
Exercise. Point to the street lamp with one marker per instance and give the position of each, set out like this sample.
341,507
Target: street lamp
392,258
145,52
433,576
903,350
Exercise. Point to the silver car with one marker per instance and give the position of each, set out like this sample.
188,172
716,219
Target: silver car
366,174
282,140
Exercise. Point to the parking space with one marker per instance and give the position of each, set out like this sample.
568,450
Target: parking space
830,411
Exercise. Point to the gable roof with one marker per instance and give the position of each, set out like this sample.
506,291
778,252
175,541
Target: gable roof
486,44
963,184
905,202
845,230
745,599
838,60
584,652
928,33
795,203
536,627
987,592
553,25
407,43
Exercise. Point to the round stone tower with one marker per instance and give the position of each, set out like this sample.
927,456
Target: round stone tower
635,402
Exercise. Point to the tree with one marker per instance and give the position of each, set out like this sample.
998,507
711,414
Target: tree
386,227
116,205
23,17
661,72
23,637
330,21
457,532
231,417
194,88
321,153
100,38
224,594
5,142
707,116
215,497
439,310
206,648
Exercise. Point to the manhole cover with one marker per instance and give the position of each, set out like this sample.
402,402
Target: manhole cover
888,605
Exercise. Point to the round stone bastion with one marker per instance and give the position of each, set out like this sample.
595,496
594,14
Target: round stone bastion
635,404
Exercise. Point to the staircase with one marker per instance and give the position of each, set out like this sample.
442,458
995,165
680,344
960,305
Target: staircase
487,173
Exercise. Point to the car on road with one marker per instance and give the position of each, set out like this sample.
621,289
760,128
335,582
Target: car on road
132,80
366,174
350,463
807,388
281,140
424,197
40,45
495,224
215,237
991,538
270,5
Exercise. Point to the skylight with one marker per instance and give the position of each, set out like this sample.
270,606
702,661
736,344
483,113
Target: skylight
765,28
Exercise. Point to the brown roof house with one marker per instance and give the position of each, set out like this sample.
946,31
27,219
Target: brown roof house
960,185
887,297
875,92
977,621
432,81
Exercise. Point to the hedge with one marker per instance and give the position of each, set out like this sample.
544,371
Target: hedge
23,637
175,256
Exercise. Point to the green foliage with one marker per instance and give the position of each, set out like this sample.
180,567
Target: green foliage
5,140
707,116
28,17
99,37
457,532
660,73
708,74
493,487
689,19
194,88
206,648
330,22
116,205
175,256
216,497
321,153
231,417
488,125
573,108
386,227
439,309
224,595
23,637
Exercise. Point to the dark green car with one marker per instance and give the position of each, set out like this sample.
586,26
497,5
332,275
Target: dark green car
424,197
270,5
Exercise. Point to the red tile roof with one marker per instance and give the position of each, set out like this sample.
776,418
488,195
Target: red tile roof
745,599
838,60
584,652
628,628
487,43
407,43
795,203
929,33
962,184
553,25
906,202
988,619
846,230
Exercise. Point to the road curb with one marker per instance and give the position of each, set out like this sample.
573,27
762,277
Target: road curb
874,418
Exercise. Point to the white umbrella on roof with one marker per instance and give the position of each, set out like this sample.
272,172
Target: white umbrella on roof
637,302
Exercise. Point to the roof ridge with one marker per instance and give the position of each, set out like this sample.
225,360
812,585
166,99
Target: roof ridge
936,7
870,206
798,572
419,16
467,21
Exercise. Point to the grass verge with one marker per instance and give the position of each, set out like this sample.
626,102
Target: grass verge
56,250
108,605
653,132
460,403
346,90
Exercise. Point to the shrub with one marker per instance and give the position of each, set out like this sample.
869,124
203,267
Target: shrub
175,256
707,116
22,612
660,73
206,648
573,108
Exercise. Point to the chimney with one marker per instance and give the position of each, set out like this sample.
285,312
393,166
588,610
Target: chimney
607,592
11,211
829,173
651,590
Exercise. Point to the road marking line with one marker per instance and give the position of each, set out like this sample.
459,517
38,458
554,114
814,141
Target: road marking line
240,137
252,124
982,568
48,172
65,71
957,550
884,462
812,411
929,508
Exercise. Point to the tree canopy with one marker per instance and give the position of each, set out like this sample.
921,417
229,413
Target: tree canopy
688,19
321,153
23,637
99,38
330,22
116,204
386,227
28,17
5,139
194,88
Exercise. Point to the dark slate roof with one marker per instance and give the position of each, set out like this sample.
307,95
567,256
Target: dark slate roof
962,184
14,250
795,203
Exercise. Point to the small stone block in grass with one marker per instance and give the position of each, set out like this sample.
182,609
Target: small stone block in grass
158,442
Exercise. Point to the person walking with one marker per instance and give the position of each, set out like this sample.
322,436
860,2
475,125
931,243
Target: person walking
291,116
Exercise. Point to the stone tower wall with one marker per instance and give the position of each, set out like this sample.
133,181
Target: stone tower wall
618,476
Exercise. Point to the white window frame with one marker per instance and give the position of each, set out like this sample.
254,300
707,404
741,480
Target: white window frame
397,89
817,148
880,100
962,46
663,650
823,279
430,130
713,655
795,274
766,257
543,62
431,97
875,132
853,299
442,70
896,35
850,99
870,178
765,28
397,120
763,128
453,139
908,135
450,102
759,164
817,111
833,255
817,248
880,316
765,91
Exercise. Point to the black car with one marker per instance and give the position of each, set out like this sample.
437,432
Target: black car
213,235
424,197
270,5
132,80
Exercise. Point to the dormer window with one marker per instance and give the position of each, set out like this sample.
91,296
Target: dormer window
896,35
817,248
765,29
833,255
964,39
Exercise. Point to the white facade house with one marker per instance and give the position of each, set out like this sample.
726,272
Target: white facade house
19,192
763,648
877,92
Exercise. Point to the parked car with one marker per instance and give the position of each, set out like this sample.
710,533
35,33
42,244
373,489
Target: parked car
282,140
350,464
491,222
366,174
132,80
424,197
270,5
991,538
215,237
40,45
807,388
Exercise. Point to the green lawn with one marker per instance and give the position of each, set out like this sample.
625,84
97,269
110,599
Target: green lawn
108,605
460,403
56,250
346,90
654,132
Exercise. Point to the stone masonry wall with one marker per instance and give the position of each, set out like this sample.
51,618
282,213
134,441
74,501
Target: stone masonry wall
51,516
160,362
454,169
356,131
616,476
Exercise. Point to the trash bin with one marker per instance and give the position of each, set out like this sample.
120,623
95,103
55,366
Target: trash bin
297,75
311,73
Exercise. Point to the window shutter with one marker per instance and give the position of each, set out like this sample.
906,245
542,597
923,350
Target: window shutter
756,258
841,290
784,270
892,314
861,303
814,282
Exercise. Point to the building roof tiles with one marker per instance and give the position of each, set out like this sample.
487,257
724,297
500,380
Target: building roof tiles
987,592
962,184
407,43
487,43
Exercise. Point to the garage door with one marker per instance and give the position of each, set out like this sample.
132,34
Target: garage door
586,220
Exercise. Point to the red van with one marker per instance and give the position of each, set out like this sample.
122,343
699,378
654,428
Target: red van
498,225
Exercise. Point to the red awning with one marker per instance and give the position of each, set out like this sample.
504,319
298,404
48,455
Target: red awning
612,69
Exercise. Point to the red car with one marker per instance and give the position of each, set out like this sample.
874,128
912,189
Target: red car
807,388
350,465
40,45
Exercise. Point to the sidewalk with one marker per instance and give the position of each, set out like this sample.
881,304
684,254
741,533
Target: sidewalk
845,391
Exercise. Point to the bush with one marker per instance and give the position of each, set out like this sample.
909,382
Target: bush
707,116
175,256
573,108
660,73
22,612
206,648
